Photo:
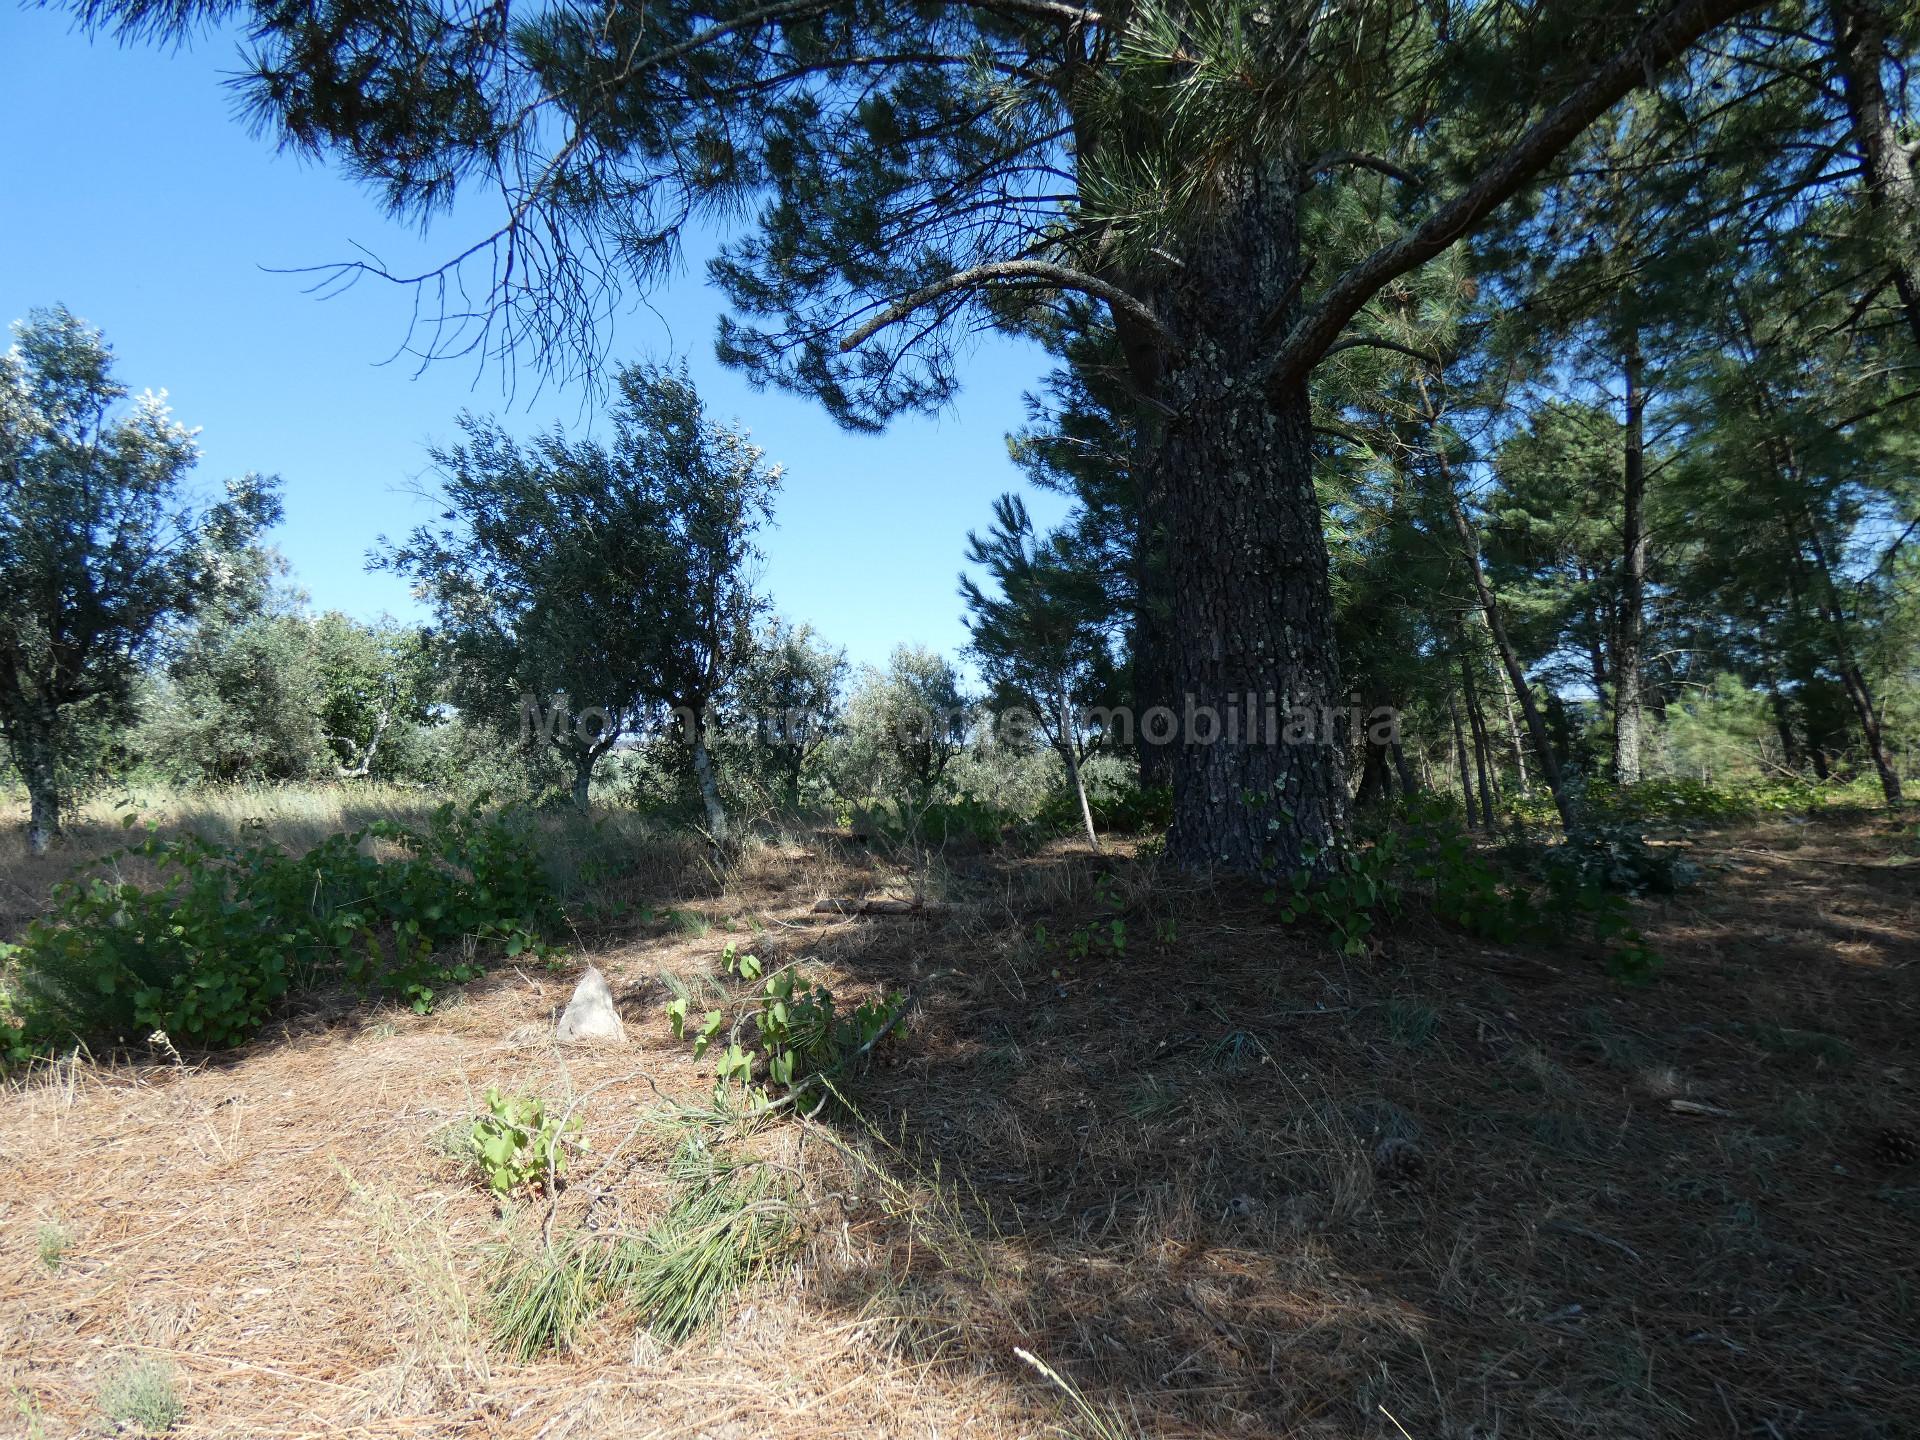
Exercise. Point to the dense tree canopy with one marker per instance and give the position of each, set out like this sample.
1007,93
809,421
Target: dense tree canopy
101,546
1235,186
584,590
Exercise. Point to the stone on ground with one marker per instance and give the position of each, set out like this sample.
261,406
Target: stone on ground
590,1016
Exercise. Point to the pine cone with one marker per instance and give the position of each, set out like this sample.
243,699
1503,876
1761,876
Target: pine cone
1398,1161
1896,1145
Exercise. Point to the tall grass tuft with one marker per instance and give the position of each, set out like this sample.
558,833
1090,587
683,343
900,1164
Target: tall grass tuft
542,1298
724,1225
726,1222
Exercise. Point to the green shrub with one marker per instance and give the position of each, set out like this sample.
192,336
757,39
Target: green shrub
221,935
1576,888
518,1146
1615,857
141,1394
1346,895
799,1034
1119,808
966,819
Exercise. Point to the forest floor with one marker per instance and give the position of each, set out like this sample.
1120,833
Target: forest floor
1609,1212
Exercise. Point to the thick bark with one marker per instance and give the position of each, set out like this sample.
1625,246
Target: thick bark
582,780
1247,560
1630,621
1860,47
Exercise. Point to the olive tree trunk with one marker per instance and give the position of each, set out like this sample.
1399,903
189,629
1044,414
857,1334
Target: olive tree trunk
709,786
35,756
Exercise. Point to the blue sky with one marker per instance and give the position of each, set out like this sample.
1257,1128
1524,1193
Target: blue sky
135,198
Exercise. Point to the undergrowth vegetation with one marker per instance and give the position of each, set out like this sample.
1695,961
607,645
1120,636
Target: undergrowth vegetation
789,1030
726,1219
203,942
1577,886
519,1145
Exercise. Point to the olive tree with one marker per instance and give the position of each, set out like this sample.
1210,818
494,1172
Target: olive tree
102,548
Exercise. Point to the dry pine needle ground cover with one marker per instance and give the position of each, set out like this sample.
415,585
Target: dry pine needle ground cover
1225,1182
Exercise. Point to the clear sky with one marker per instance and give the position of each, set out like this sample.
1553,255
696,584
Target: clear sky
130,193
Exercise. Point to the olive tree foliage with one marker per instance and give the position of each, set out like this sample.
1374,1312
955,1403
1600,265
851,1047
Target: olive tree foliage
238,700
376,690
258,689
585,590
784,705
1232,183
905,726
102,549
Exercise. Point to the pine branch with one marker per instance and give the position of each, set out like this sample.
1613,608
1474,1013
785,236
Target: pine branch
1499,181
1359,160
1380,342
979,276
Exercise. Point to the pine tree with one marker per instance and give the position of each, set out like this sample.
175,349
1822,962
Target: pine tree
914,172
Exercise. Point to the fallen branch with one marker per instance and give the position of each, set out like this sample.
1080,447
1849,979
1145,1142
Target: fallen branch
874,907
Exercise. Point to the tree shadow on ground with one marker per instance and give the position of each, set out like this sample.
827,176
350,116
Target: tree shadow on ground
1237,1184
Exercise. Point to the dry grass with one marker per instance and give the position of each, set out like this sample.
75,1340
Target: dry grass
1159,1174
615,861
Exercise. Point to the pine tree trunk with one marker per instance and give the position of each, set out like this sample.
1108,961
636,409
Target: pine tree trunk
1518,745
1460,754
1783,726
1253,634
1853,678
1630,619
1409,787
1509,658
1477,728
1372,776
1860,46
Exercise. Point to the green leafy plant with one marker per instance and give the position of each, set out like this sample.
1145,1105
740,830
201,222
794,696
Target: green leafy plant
518,1146
747,967
796,1029
217,938
1346,896
1566,889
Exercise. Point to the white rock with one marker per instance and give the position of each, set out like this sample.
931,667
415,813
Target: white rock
590,1015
